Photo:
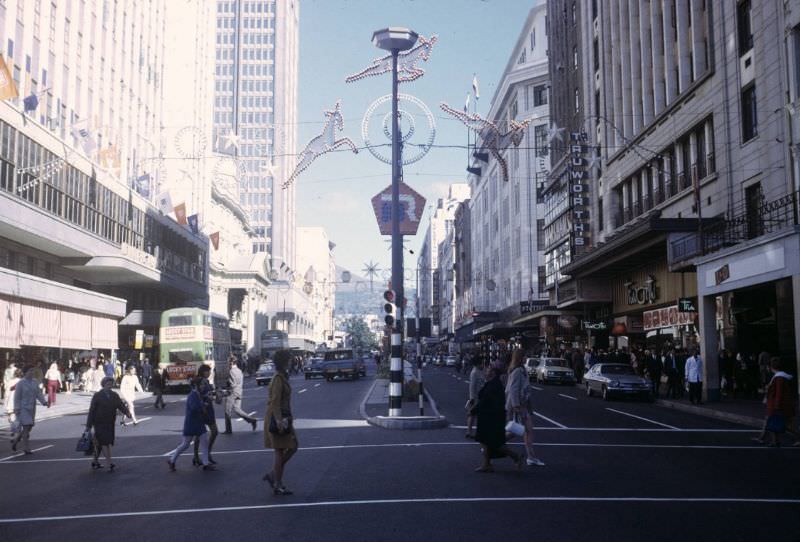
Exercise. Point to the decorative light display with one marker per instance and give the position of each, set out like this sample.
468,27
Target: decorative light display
228,171
371,269
555,132
40,173
231,140
407,61
190,142
494,140
323,143
407,127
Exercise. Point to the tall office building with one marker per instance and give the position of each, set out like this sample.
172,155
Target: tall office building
255,109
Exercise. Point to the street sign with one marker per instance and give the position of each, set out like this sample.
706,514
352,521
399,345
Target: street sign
411,203
686,304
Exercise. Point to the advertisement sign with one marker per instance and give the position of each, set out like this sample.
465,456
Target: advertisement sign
667,317
579,191
137,343
178,334
412,205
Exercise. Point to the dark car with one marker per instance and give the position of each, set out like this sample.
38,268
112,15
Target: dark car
340,364
265,373
313,368
616,379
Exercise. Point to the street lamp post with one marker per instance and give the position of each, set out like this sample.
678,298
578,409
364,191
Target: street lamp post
396,39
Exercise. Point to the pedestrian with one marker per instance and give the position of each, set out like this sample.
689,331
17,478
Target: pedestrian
69,376
781,412
117,368
102,419
8,376
206,391
26,394
11,385
128,388
99,373
157,385
233,403
279,431
694,378
519,403
475,385
53,377
147,373
654,368
491,416
193,427
107,366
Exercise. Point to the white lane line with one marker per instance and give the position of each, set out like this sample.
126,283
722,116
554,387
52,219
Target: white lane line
23,453
140,420
633,429
317,385
437,500
249,414
537,388
643,419
303,390
545,418
567,396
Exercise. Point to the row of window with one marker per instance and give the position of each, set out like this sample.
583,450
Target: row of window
260,102
258,118
262,54
245,22
254,6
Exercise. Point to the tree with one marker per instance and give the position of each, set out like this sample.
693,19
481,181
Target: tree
361,337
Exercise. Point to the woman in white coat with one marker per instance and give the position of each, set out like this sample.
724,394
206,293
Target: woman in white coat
128,388
11,384
26,394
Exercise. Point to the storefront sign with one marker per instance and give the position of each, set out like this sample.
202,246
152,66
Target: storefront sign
595,326
137,345
722,274
527,307
686,304
644,294
667,317
579,190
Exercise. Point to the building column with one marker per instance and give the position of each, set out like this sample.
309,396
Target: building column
625,63
645,187
707,327
614,109
670,75
626,209
636,66
698,37
684,44
647,66
655,185
657,38
667,172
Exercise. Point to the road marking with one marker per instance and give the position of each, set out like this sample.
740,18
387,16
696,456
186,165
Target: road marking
567,396
317,385
633,429
537,388
373,502
641,418
249,414
18,454
140,420
545,418
302,391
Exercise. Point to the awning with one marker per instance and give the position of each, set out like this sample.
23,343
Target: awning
142,318
464,333
546,311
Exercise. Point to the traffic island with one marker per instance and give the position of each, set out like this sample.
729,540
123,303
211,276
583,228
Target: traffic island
375,406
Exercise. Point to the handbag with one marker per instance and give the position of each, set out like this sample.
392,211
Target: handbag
515,428
776,423
85,443
275,430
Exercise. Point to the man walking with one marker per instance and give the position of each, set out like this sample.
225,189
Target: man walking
233,403
653,366
694,377
26,394
671,368
147,373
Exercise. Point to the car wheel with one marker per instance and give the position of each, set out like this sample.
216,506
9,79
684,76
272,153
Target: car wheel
588,390
606,396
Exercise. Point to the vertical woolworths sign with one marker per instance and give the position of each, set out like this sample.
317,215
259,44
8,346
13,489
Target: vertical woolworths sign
579,192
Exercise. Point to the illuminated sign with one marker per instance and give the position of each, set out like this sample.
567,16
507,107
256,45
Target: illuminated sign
579,190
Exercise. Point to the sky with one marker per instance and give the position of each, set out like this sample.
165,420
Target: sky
474,37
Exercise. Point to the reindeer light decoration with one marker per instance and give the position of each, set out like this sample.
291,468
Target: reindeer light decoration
493,138
407,61
323,143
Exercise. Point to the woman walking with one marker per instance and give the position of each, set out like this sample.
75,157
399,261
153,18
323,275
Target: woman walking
278,429
491,422
780,407
193,426
11,384
53,377
128,388
97,377
518,403
475,384
102,418
26,394
206,391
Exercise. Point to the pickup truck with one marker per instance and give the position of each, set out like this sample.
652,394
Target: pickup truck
339,364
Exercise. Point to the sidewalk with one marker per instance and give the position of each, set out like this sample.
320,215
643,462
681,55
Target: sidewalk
749,412
375,409
76,402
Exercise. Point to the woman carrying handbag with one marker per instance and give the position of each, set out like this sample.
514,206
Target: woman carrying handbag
102,418
278,429
518,403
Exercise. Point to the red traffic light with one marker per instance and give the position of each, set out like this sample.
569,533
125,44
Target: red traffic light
388,296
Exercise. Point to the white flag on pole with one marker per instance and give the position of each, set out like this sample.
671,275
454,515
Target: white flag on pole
475,89
164,203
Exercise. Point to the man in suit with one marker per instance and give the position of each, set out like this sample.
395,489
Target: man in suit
233,403
653,367
671,368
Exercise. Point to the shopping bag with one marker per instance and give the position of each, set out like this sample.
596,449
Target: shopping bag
515,428
85,443
776,423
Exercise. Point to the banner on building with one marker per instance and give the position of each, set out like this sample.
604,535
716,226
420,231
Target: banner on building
8,88
84,138
194,223
164,203
667,317
180,214
215,240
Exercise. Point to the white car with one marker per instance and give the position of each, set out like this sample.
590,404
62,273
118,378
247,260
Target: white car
450,361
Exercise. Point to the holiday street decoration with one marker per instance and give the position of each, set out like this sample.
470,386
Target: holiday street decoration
378,118
493,138
231,140
323,143
190,142
371,269
555,132
407,61
228,172
42,172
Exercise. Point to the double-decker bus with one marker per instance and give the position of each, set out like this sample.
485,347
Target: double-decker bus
190,337
273,340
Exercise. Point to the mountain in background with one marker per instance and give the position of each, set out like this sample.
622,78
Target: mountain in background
358,297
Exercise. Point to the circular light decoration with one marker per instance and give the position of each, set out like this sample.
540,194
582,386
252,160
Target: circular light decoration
308,288
228,171
376,119
490,285
346,276
190,142
273,275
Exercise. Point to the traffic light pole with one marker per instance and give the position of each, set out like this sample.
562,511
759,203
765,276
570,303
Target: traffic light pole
396,365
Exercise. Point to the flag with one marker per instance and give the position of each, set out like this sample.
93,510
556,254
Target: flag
466,104
31,103
143,185
85,138
164,203
475,90
215,240
180,214
193,223
8,88
109,157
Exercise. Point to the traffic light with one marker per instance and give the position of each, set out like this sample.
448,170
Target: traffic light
389,308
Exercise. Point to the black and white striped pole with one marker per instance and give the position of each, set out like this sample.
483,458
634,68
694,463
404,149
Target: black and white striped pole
396,39
395,355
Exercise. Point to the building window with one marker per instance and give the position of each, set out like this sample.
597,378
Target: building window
743,24
575,57
796,44
749,113
577,100
522,57
540,139
539,95
533,39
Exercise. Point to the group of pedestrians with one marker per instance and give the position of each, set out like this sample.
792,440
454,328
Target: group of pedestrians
499,393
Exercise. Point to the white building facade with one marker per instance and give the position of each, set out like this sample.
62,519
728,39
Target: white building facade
317,263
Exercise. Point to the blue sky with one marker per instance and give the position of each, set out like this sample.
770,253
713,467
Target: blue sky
475,36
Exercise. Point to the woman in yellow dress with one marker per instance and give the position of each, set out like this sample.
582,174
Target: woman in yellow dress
278,428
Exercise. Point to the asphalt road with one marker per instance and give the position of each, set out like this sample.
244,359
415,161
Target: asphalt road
621,470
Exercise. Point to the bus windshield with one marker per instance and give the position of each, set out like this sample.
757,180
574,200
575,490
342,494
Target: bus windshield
180,320
180,356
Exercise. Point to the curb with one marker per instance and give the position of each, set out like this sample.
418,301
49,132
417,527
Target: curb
362,409
436,421
713,413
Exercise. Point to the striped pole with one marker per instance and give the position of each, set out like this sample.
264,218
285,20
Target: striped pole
396,377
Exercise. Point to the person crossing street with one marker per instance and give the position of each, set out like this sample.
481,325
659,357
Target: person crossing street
233,403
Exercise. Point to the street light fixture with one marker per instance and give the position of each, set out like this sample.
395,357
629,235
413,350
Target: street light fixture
396,39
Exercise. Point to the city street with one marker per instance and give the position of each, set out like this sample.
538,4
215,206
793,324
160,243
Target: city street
622,469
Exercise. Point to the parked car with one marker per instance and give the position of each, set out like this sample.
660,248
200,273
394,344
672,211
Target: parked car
616,379
313,367
450,361
552,370
265,373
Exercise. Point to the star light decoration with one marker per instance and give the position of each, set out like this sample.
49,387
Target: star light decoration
231,140
41,172
407,61
371,269
494,140
324,143
554,132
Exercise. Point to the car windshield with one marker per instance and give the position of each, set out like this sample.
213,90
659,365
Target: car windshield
617,370
265,367
555,363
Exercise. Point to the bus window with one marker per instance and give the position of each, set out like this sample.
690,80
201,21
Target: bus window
209,351
181,356
180,320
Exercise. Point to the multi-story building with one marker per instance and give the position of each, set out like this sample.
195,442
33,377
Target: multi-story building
317,263
79,249
690,110
505,213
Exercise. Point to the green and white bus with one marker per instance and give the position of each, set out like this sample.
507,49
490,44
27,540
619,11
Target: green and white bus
190,337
